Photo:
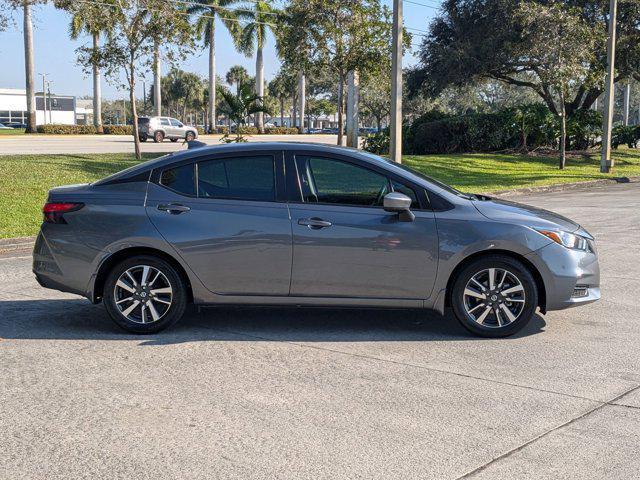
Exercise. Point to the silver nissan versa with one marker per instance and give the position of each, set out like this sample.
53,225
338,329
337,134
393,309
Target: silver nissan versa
306,225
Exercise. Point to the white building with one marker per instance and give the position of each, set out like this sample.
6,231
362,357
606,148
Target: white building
61,109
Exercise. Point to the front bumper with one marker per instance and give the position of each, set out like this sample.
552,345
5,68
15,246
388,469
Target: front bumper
571,277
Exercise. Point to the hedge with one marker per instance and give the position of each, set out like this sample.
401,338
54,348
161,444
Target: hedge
281,131
53,129
247,130
118,129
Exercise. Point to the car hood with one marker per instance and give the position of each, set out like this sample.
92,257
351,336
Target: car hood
505,211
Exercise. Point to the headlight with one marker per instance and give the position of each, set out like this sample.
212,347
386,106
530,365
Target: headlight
566,239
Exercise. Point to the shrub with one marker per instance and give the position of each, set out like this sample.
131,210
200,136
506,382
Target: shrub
281,131
118,130
377,142
53,129
247,130
628,135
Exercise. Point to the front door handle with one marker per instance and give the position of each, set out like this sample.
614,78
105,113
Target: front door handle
174,208
314,223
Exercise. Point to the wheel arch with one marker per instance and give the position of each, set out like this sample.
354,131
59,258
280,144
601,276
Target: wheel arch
542,293
112,260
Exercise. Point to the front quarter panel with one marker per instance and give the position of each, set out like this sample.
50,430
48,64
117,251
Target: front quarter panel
463,231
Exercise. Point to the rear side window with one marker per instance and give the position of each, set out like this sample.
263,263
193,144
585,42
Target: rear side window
180,179
165,121
242,178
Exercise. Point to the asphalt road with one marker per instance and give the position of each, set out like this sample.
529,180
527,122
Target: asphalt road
77,144
329,394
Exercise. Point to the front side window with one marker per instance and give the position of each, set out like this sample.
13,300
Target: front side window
175,123
326,180
408,191
180,179
242,178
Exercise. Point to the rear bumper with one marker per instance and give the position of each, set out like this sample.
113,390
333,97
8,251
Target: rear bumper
571,277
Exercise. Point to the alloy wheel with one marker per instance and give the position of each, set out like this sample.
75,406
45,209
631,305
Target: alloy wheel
494,297
143,294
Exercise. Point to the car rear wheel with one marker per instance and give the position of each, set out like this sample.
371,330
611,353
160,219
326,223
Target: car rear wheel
158,137
144,137
145,294
190,136
495,296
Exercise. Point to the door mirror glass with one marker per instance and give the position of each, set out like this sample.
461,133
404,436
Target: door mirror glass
399,203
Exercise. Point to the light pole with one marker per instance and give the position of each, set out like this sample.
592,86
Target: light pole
44,96
395,128
606,163
49,82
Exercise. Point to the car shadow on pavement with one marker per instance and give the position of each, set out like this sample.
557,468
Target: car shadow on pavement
77,319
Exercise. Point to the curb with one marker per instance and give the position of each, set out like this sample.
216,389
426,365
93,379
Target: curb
562,187
16,245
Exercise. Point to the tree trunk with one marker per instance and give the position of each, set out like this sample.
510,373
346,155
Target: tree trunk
352,109
340,108
157,80
563,133
294,118
301,100
260,87
28,68
212,78
134,111
97,94
282,111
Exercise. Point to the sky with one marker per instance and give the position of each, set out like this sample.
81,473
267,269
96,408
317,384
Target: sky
55,52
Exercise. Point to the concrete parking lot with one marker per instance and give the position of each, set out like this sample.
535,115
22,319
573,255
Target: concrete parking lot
52,144
329,394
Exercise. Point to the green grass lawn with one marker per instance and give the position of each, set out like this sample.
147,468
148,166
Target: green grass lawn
25,179
11,131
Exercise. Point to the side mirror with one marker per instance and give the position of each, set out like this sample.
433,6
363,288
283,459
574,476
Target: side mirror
399,203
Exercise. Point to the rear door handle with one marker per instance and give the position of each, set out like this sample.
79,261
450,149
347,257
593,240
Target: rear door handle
174,208
314,223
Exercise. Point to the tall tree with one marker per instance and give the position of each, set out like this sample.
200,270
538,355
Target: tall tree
29,74
260,18
239,106
136,25
562,54
348,35
283,88
92,19
237,75
205,28
489,39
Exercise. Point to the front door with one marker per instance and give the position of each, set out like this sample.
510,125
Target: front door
223,218
346,245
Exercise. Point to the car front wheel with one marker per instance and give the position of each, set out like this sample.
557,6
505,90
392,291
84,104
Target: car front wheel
145,294
494,296
190,136
158,137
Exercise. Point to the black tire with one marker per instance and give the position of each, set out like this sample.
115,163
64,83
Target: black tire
174,140
144,138
190,136
158,137
174,312
490,326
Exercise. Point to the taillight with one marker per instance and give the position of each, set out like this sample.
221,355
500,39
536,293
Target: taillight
54,212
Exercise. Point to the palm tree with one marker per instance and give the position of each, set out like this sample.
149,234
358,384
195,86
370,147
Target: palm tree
260,17
239,106
94,20
237,75
205,27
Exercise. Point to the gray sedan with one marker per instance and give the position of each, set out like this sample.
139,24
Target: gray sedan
306,225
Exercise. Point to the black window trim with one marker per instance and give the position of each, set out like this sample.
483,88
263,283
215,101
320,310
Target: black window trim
295,181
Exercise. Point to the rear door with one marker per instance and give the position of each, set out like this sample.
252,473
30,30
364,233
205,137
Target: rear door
345,244
227,218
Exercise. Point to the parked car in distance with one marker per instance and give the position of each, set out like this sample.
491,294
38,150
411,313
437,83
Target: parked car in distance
15,125
306,224
160,128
